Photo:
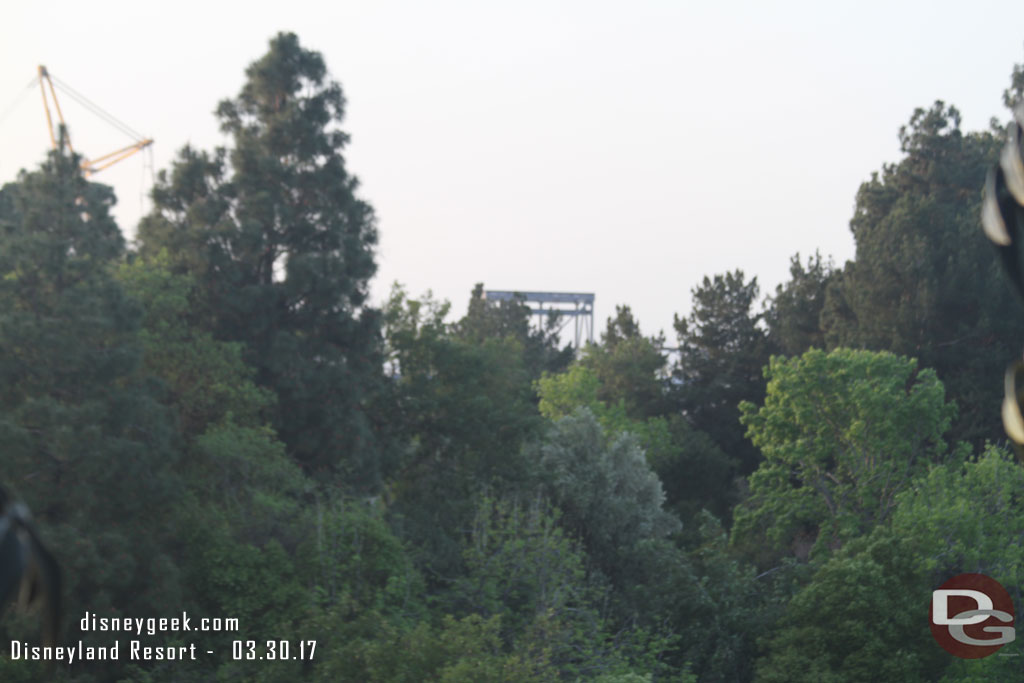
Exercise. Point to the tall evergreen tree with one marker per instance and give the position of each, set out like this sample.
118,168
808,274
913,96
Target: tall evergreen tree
275,234
722,351
924,282
84,440
794,313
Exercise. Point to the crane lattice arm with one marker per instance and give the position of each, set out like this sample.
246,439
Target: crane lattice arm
89,166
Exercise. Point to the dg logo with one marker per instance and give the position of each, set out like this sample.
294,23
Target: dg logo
971,616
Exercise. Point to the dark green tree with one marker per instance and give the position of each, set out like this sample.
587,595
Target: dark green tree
632,379
620,328
511,320
86,443
207,381
630,367
458,412
282,248
831,632
793,315
722,350
731,611
1014,95
925,283
242,521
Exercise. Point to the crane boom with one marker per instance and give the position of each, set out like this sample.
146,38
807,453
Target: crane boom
89,166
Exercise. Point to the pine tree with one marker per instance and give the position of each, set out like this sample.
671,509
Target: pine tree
86,444
722,351
283,248
925,283
794,313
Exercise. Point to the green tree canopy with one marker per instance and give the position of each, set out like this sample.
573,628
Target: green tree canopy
283,249
607,492
794,313
457,413
510,320
924,282
692,468
967,517
955,518
722,349
842,434
86,443
630,367
863,618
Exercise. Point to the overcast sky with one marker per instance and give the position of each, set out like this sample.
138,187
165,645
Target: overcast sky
625,149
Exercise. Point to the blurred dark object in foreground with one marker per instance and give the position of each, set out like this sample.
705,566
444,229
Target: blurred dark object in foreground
29,574
1002,217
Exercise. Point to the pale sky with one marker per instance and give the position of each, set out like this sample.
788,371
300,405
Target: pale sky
625,149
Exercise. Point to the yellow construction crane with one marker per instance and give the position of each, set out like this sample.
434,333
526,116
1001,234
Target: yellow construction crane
89,166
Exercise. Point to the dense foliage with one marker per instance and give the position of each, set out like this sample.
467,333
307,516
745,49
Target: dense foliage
218,422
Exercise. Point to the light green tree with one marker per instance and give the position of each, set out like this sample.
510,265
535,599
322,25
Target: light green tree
955,518
862,618
967,517
842,433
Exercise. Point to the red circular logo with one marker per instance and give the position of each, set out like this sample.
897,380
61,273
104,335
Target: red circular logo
971,616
